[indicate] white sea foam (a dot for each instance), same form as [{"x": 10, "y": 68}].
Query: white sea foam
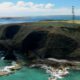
[
  {"x": 2, "y": 58},
  {"x": 55, "y": 73},
  {"x": 8, "y": 68}
]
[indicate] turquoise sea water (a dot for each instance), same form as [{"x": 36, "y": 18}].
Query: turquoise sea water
[
  {"x": 74, "y": 75},
  {"x": 35, "y": 74},
  {"x": 26, "y": 74}
]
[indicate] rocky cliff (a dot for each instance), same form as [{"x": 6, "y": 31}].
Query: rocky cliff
[{"x": 41, "y": 40}]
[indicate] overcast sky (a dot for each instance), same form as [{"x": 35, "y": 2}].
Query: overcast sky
[{"x": 19, "y": 8}]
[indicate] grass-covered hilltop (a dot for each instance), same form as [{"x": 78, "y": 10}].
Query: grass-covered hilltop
[{"x": 40, "y": 40}]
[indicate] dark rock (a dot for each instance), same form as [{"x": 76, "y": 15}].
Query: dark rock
[
  {"x": 34, "y": 40},
  {"x": 10, "y": 56},
  {"x": 10, "y": 32},
  {"x": 45, "y": 45},
  {"x": 39, "y": 43},
  {"x": 60, "y": 46}
]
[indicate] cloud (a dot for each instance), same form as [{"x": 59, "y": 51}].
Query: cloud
[
  {"x": 21, "y": 4},
  {"x": 6, "y": 5},
  {"x": 49, "y": 5},
  {"x": 33, "y": 5},
  {"x": 22, "y": 8}
]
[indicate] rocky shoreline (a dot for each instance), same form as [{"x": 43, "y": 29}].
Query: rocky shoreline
[
  {"x": 6, "y": 70},
  {"x": 56, "y": 71},
  {"x": 57, "y": 62},
  {"x": 56, "y": 68}
]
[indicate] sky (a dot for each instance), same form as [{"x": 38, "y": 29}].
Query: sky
[{"x": 21, "y": 8}]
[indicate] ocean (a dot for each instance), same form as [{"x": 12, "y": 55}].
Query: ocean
[
  {"x": 27, "y": 73},
  {"x": 36, "y": 19}
]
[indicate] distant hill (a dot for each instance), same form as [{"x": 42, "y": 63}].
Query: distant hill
[{"x": 7, "y": 20}]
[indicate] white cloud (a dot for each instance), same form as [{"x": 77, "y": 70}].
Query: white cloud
[
  {"x": 22, "y": 8},
  {"x": 21, "y": 4},
  {"x": 6, "y": 5},
  {"x": 30, "y": 4},
  {"x": 49, "y": 5}
]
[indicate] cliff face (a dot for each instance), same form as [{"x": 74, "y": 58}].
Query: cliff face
[{"x": 35, "y": 41}]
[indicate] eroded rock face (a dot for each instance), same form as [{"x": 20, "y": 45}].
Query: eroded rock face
[
  {"x": 34, "y": 40},
  {"x": 39, "y": 44},
  {"x": 60, "y": 46},
  {"x": 45, "y": 45},
  {"x": 10, "y": 56},
  {"x": 10, "y": 32}
]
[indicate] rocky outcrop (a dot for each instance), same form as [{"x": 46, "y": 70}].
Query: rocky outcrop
[
  {"x": 10, "y": 31},
  {"x": 36, "y": 43}
]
